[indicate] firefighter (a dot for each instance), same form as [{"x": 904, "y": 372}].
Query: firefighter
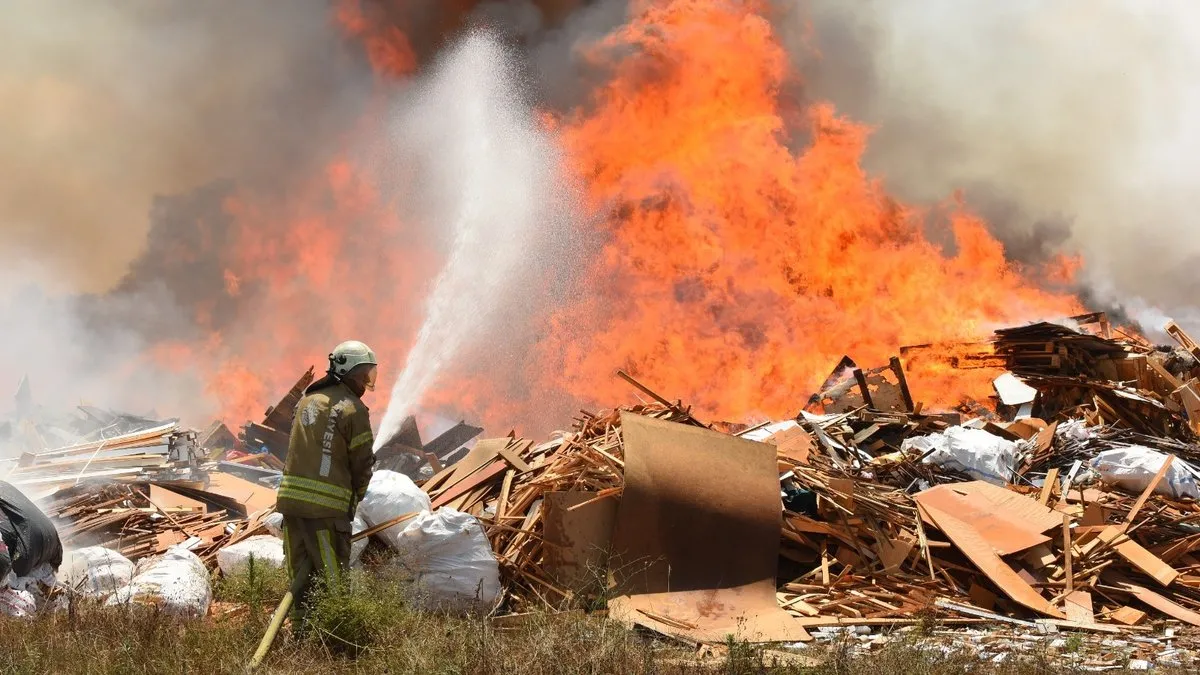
[{"x": 327, "y": 472}]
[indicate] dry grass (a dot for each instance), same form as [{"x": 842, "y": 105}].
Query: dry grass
[{"x": 371, "y": 629}]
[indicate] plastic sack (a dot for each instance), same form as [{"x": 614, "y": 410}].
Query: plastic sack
[
  {"x": 176, "y": 582},
  {"x": 17, "y": 604},
  {"x": 389, "y": 496},
  {"x": 23, "y": 523},
  {"x": 1075, "y": 430},
  {"x": 274, "y": 524},
  {"x": 95, "y": 571},
  {"x": 979, "y": 454},
  {"x": 448, "y": 558},
  {"x": 1132, "y": 468},
  {"x": 266, "y": 550}
]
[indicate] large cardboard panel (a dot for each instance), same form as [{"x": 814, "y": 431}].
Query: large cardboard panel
[
  {"x": 578, "y": 540},
  {"x": 696, "y": 542}
]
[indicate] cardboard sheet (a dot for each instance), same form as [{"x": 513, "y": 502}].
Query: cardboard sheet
[
  {"x": 1008, "y": 521},
  {"x": 577, "y": 541},
  {"x": 696, "y": 542},
  {"x": 980, "y": 552},
  {"x": 253, "y": 497}
]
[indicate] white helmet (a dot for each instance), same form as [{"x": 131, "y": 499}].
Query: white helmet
[{"x": 349, "y": 354}]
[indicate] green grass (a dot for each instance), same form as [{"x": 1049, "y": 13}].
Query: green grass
[{"x": 370, "y": 628}]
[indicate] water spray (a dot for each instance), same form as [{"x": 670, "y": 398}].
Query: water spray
[{"x": 487, "y": 150}]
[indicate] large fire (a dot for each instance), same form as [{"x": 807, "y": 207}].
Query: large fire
[{"x": 745, "y": 250}]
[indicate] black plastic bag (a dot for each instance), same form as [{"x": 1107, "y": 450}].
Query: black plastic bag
[{"x": 29, "y": 534}]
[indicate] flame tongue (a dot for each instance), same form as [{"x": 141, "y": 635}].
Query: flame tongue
[{"x": 735, "y": 269}]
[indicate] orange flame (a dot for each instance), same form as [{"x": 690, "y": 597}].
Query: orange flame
[
  {"x": 746, "y": 249},
  {"x": 738, "y": 270}
]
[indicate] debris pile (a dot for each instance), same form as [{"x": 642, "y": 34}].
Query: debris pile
[
  {"x": 1069, "y": 502},
  {"x": 162, "y": 452},
  {"x": 139, "y": 520}
]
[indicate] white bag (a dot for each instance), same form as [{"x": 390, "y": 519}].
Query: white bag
[
  {"x": 1133, "y": 467},
  {"x": 274, "y": 524},
  {"x": 176, "y": 582},
  {"x": 979, "y": 454},
  {"x": 17, "y": 604},
  {"x": 389, "y": 496},
  {"x": 449, "y": 559},
  {"x": 95, "y": 571},
  {"x": 265, "y": 549}
]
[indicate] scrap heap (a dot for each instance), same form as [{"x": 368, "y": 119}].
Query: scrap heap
[
  {"x": 140, "y": 486},
  {"x": 1071, "y": 501}
]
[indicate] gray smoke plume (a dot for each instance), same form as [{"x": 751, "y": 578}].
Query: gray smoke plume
[
  {"x": 108, "y": 104},
  {"x": 106, "y": 107},
  {"x": 1071, "y": 126}
]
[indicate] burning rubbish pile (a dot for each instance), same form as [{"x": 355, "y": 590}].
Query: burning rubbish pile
[
  {"x": 1071, "y": 504},
  {"x": 1066, "y": 501}
]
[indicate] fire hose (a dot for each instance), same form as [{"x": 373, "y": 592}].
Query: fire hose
[{"x": 285, "y": 605}]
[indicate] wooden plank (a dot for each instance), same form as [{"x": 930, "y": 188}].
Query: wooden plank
[
  {"x": 794, "y": 443},
  {"x": 167, "y": 499},
  {"x": 1137, "y": 506},
  {"x": 1128, "y": 616},
  {"x": 982, "y": 597},
  {"x": 1138, "y": 556},
  {"x": 481, "y": 455},
  {"x": 980, "y": 552},
  {"x": 505, "y": 491},
  {"x": 1039, "y": 557},
  {"x": 1184, "y": 340},
  {"x": 1014, "y": 505},
  {"x": 1066, "y": 526},
  {"x": 1161, "y": 603},
  {"x": 893, "y": 553},
  {"x": 253, "y": 497},
  {"x": 1007, "y": 524},
  {"x": 510, "y": 456},
  {"x": 1048, "y": 486},
  {"x": 482, "y": 476},
  {"x": 1078, "y": 606},
  {"x": 1191, "y": 403}
]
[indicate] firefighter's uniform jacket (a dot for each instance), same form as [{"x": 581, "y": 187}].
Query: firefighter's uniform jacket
[
  {"x": 329, "y": 455},
  {"x": 327, "y": 472}
]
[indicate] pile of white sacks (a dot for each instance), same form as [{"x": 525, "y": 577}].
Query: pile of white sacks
[{"x": 444, "y": 555}]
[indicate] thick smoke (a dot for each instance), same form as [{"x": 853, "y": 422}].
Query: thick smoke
[
  {"x": 1071, "y": 126},
  {"x": 107, "y": 105},
  {"x": 138, "y": 122}
]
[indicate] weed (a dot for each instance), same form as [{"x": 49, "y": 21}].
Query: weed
[{"x": 1074, "y": 643}]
